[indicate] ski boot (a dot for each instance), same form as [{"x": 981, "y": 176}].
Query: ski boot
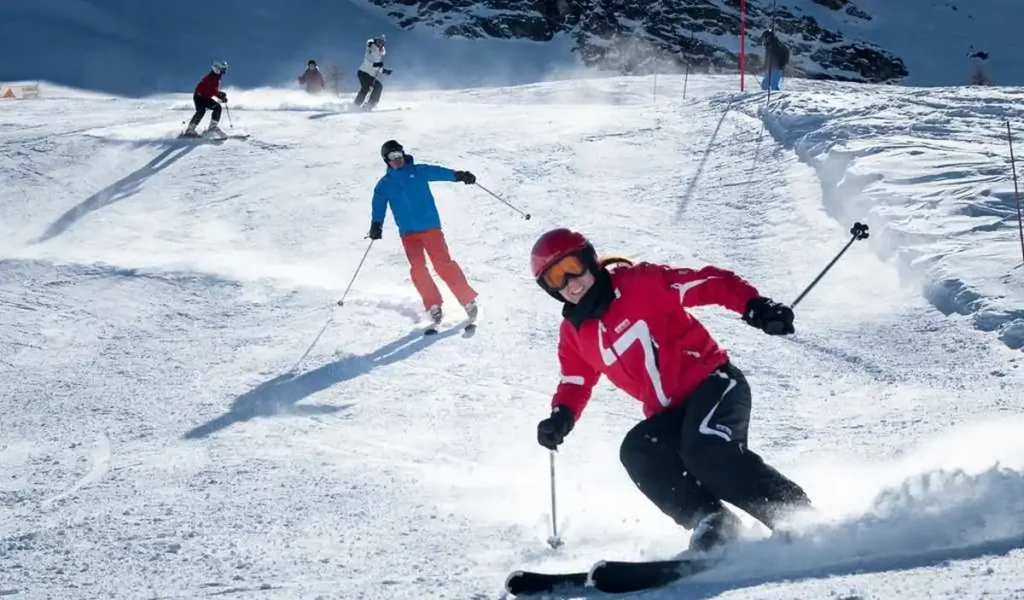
[
  {"x": 436, "y": 314},
  {"x": 190, "y": 131},
  {"x": 435, "y": 320},
  {"x": 714, "y": 530},
  {"x": 214, "y": 131},
  {"x": 471, "y": 311}
]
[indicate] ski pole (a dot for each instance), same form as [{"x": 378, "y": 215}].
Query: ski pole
[
  {"x": 330, "y": 317},
  {"x": 506, "y": 202},
  {"x": 1016, "y": 190},
  {"x": 859, "y": 231},
  {"x": 341, "y": 302},
  {"x": 554, "y": 541},
  {"x": 228, "y": 110}
]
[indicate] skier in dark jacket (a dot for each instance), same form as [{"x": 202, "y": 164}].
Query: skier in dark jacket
[
  {"x": 203, "y": 98},
  {"x": 312, "y": 78},
  {"x": 776, "y": 59}
]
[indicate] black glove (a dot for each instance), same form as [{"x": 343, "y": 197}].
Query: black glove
[
  {"x": 386, "y": 71},
  {"x": 223, "y": 97},
  {"x": 552, "y": 430},
  {"x": 376, "y": 230},
  {"x": 769, "y": 316},
  {"x": 377, "y": 65},
  {"x": 465, "y": 177}
]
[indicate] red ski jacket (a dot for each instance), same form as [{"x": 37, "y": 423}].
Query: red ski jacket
[
  {"x": 312, "y": 79},
  {"x": 646, "y": 343},
  {"x": 209, "y": 85}
]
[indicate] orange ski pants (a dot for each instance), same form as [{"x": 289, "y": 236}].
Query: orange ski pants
[{"x": 431, "y": 243}]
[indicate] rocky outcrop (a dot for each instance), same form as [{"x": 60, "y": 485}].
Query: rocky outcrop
[{"x": 637, "y": 36}]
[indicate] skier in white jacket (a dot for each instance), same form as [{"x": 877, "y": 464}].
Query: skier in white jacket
[{"x": 369, "y": 73}]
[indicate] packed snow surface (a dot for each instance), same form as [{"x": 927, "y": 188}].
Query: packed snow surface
[{"x": 170, "y": 428}]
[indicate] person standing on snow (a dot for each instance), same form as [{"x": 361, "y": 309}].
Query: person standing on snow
[
  {"x": 203, "y": 98},
  {"x": 369, "y": 73},
  {"x": 312, "y": 78},
  {"x": 776, "y": 58},
  {"x": 630, "y": 323},
  {"x": 405, "y": 187}
]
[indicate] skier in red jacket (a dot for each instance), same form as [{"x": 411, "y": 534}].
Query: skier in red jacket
[
  {"x": 312, "y": 78},
  {"x": 630, "y": 323},
  {"x": 206, "y": 90}
]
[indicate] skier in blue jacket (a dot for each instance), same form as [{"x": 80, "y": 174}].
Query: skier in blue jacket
[{"x": 406, "y": 188}]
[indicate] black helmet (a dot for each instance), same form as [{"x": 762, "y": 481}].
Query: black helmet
[
  {"x": 389, "y": 147},
  {"x": 311, "y": 62}
]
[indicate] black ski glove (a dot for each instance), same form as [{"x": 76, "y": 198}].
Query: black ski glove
[
  {"x": 769, "y": 316},
  {"x": 465, "y": 177},
  {"x": 223, "y": 97},
  {"x": 386, "y": 71},
  {"x": 377, "y": 65},
  {"x": 376, "y": 230},
  {"x": 552, "y": 430}
]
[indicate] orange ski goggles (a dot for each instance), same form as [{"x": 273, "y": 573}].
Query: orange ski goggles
[{"x": 560, "y": 273}]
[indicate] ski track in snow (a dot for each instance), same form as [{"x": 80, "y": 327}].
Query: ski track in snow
[
  {"x": 155, "y": 295},
  {"x": 99, "y": 461}
]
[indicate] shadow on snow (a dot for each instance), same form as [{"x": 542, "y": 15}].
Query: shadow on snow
[
  {"x": 282, "y": 393},
  {"x": 119, "y": 190}
]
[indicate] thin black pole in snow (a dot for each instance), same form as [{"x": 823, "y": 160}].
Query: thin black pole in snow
[
  {"x": 341, "y": 302},
  {"x": 859, "y": 231},
  {"x": 330, "y": 317},
  {"x": 505, "y": 202},
  {"x": 1016, "y": 190},
  {"x": 686, "y": 74}
]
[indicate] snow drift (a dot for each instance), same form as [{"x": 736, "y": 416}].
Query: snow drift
[{"x": 929, "y": 171}]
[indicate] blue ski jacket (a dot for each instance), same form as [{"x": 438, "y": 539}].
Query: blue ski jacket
[{"x": 407, "y": 191}]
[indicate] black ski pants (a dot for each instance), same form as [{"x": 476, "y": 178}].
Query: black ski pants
[
  {"x": 689, "y": 459},
  {"x": 202, "y": 104},
  {"x": 366, "y": 83}
]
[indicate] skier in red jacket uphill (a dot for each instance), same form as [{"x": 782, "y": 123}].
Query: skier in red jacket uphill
[
  {"x": 203, "y": 98},
  {"x": 312, "y": 78},
  {"x": 629, "y": 322}
]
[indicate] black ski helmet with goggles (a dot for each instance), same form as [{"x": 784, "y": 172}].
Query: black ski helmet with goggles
[{"x": 390, "y": 146}]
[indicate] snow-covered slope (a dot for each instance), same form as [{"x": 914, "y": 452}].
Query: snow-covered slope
[
  {"x": 137, "y": 48},
  {"x": 931, "y": 170},
  {"x": 170, "y": 428}
]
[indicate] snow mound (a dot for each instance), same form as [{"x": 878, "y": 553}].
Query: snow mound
[{"x": 929, "y": 171}]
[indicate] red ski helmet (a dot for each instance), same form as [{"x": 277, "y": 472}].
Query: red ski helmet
[{"x": 556, "y": 245}]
